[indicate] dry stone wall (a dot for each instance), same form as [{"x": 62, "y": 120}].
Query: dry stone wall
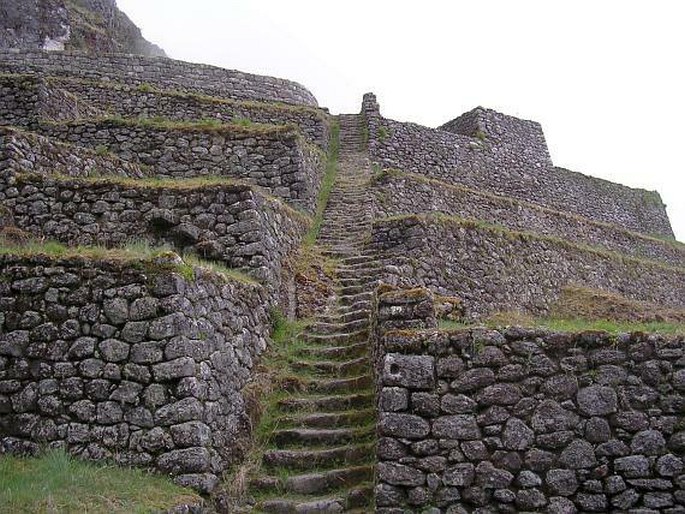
[
  {"x": 24, "y": 152},
  {"x": 496, "y": 270},
  {"x": 157, "y": 71},
  {"x": 525, "y": 420},
  {"x": 397, "y": 194},
  {"x": 146, "y": 102},
  {"x": 128, "y": 361},
  {"x": 230, "y": 223},
  {"x": 25, "y": 100},
  {"x": 502, "y": 162},
  {"x": 275, "y": 158}
]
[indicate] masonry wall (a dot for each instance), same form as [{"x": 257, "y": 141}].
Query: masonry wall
[
  {"x": 502, "y": 162},
  {"x": 525, "y": 420},
  {"x": 25, "y": 152},
  {"x": 143, "y": 102},
  {"x": 127, "y": 361},
  {"x": 275, "y": 158},
  {"x": 27, "y": 99},
  {"x": 157, "y": 71},
  {"x": 494, "y": 270},
  {"x": 396, "y": 194},
  {"x": 232, "y": 224}
]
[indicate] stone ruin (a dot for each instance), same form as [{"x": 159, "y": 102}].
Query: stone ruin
[{"x": 145, "y": 359}]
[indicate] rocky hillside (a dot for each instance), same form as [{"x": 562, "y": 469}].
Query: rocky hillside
[{"x": 93, "y": 26}]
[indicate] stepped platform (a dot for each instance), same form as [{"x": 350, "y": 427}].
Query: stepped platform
[
  {"x": 493, "y": 269},
  {"x": 25, "y": 100},
  {"x": 159, "y": 72},
  {"x": 399, "y": 193},
  {"x": 273, "y": 157},
  {"x": 504, "y": 155},
  {"x": 229, "y": 222}
]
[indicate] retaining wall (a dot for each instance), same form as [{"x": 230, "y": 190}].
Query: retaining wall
[
  {"x": 157, "y": 71},
  {"x": 128, "y": 361},
  {"x": 276, "y": 158},
  {"x": 501, "y": 161},
  {"x": 143, "y": 102},
  {"x": 230, "y": 223},
  {"x": 494, "y": 270},
  {"x": 525, "y": 420},
  {"x": 397, "y": 193},
  {"x": 25, "y": 100},
  {"x": 25, "y": 152}
]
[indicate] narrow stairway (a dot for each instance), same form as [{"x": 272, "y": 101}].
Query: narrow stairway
[{"x": 321, "y": 453}]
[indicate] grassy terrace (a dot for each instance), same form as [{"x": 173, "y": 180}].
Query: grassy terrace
[
  {"x": 239, "y": 129},
  {"x": 613, "y": 327},
  {"x": 208, "y": 182},
  {"x": 55, "y": 482},
  {"x": 472, "y": 224},
  {"x": 274, "y": 107},
  {"x": 512, "y": 203},
  {"x": 581, "y": 309},
  {"x": 136, "y": 254}
]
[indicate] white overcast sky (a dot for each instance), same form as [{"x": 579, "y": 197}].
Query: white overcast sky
[{"x": 605, "y": 78}]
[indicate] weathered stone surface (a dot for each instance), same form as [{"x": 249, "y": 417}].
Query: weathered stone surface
[
  {"x": 517, "y": 435},
  {"x": 597, "y": 401},
  {"x": 460, "y": 426},
  {"x": 404, "y": 425}
]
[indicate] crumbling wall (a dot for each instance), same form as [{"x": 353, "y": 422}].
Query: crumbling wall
[
  {"x": 132, "y": 361},
  {"x": 521, "y": 420},
  {"x": 501, "y": 162},
  {"x": 494, "y": 270}
]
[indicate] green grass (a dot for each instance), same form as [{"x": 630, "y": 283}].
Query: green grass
[
  {"x": 326, "y": 185},
  {"x": 206, "y": 125},
  {"x": 571, "y": 325},
  {"x": 57, "y": 482},
  {"x": 136, "y": 252}
]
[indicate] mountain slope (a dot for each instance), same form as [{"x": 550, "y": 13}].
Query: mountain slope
[{"x": 93, "y": 26}]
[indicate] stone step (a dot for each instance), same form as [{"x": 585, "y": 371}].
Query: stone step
[
  {"x": 329, "y": 403},
  {"x": 356, "y": 500},
  {"x": 316, "y": 436},
  {"x": 337, "y": 385},
  {"x": 337, "y": 338},
  {"x": 334, "y": 368},
  {"x": 346, "y": 316},
  {"x": 316, "y": 483},
  {"x": 351, "y": 455},
  {"x": 365, "y": 297},
  {"x": 340, "y": 419},
  {"x": 349, "y": 351},
  {"x": 355, "y": 305},
  {"x": 320, "y": 327}
]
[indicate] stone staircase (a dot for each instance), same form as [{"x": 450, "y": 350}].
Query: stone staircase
[{"x": 320, "y": 455}]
